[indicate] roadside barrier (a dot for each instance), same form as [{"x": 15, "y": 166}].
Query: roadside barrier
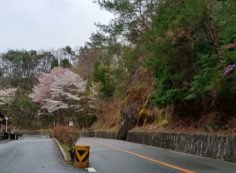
[
  {"x": 14, "y": 136},
  {"x": 81, "y": 156},
  {"x": 5, "y": 136}
]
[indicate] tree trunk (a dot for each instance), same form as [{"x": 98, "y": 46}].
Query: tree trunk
[{"x": 212, "y": 30}]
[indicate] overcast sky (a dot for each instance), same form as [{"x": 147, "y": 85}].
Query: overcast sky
[{"x": 46, "y": 24}]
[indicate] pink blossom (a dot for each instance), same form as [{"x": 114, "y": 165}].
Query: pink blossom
[
  {"x": 229, "y": 69},
  {"x": 59, "y": 89},
  {"x": 7, "y": 96}
]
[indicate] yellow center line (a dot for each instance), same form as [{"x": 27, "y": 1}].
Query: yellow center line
[{"x": 145, "y": 157}]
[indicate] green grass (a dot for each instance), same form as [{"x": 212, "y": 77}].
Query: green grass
[{"x": 66, "y": 148}]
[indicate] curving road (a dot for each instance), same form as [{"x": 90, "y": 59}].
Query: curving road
[
  {"x": 114, "y": 156},
  {"x": 41, "y": 155}
]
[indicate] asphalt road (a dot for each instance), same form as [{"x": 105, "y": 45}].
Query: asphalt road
[
  {"x": 41, "y": 155},
  {"x": 33, "y": 155},
  {"x": 113, "y": 156}
]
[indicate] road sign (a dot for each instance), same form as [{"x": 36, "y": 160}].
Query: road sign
[
  {"x": 82, "y": 156},
  {"x": 71, "y": 123}
]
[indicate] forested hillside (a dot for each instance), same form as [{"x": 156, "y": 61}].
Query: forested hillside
[{"x": 158, "y": 65}]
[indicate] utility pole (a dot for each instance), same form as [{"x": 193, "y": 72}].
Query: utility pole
[{"x": 6, "y": 118}]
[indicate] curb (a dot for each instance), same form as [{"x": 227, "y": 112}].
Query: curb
[{"x": 63, "y": 153}]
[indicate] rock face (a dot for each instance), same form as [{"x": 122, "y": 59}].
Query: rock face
[
  {"x": 136, "y": 98},
  {"x": 216, "y": 147}
]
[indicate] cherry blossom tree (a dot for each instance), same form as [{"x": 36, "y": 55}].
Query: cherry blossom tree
[
  {"x": 59, "y": 89},
  {"x": 7, "y": 96}
]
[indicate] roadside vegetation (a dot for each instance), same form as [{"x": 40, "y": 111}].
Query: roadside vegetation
[
  {"x": 158, "y": 65},
  {"x": 65, "y": 134}
]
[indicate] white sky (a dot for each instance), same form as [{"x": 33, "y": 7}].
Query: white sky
[{"x": 46, "y": 24}]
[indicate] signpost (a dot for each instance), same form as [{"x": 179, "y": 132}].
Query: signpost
[
  {"x": 6, "y": 118},
  {"x": 71, "y": 123}
]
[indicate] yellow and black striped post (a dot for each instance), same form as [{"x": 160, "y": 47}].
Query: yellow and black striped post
[{"x": 82, "y": 156}]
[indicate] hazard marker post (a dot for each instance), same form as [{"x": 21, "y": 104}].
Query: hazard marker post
[{"x": 81, "y": 156}]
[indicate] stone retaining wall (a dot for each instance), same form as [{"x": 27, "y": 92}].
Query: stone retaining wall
[
  {"x": 100, "y": 134},
  {"x": 216, "y": 147}
]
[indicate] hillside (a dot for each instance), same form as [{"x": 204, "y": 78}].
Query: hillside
[
  {"x": 177, "y": 72},
  {"x": 159, "y": 65}
]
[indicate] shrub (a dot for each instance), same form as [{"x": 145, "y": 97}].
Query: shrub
[{"x": 66, "y": 135}]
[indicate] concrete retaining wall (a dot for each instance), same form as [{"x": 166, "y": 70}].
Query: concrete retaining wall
[
  {"x": 216, "y": 147},
  {"x": 33, "y": 132}
]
